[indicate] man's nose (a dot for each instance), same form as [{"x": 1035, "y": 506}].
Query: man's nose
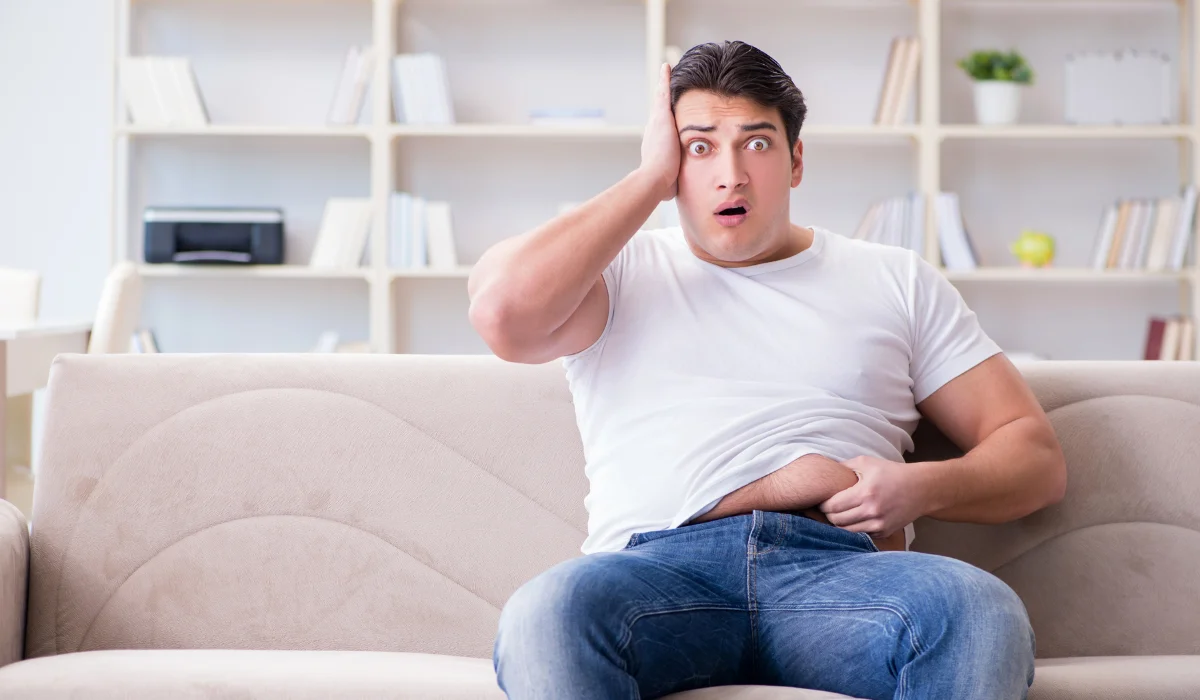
[{"x": 730, "y": 172}]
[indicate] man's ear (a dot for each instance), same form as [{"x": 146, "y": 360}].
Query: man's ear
[{"x": 797, "y": 163}]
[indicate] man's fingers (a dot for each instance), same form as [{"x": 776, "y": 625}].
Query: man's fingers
[
  {"x": 843, "y": 500},
  {"x": 849, "y": 517}
]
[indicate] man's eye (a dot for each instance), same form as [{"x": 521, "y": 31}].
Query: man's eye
[
  {"x": 698, "y": 148},
  {"x": 759, "y": 144}
]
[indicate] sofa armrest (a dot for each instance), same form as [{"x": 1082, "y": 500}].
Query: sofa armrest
[{"x": 14, "y": 577}]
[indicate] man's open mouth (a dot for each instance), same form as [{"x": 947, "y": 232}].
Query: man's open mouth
[{"x": 732, "y": 211}]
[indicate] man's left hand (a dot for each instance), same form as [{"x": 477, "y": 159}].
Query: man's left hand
[{"x": 887, "y": 497}]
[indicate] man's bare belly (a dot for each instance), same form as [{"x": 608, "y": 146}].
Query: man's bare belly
[{"x": 799, "y": 487}]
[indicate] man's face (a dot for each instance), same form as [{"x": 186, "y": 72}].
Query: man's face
[{"x": 734, "y": 152}]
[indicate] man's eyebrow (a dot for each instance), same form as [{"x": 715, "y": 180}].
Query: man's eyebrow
[{"x": 744, "y": 127}]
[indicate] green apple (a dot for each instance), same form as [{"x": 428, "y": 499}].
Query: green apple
[{"x": 1034, "y": 248}]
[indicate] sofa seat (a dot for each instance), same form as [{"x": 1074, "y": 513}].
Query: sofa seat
[
  {"x": 295, "y": 675},
  {"x": 1117, "y": 678},
  {"x": 220, "y": 674}
]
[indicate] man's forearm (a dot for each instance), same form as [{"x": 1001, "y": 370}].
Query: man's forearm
[
  {"x": 536, "y": 280},
  {"x": 1017, "y": 470}
]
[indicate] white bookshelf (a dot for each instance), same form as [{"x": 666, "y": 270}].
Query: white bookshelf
[{"x": 491, "y": 162}]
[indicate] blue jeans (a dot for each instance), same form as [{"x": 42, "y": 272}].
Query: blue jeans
[{"x": 770, "y": 599}]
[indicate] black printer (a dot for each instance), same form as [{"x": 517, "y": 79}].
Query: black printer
[{"x": 213, "y": 235}]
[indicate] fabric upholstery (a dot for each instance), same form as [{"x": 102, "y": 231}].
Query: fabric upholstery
[
  {"x": 294, "y": 675},
  {"x": 393, "y": 503},
  {"x": 1117, "y": 678},
  {"x": 1111, "y": 570},
  {"x": 297, "y": 502},
  {"x": 14, "y": 569}
]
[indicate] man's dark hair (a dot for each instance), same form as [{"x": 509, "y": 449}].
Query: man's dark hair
[{"x": 737, "y": 69}]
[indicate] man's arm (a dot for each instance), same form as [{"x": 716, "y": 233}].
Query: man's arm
[
  {"x": 540, "y": 295},
  {"x": 1013, "y": 464}
]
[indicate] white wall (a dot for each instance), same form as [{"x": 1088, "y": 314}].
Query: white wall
[
  {"x": 277, "y": 67},
  {"x": 55, "y": 163}
]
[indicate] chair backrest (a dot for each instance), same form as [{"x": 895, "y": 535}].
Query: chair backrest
[
  {"x": 1112, "y": 569},
  {"x": 19, "y": 291},
  {"x": 395, "y": 502},
  {"x": 118, "y": 311}
]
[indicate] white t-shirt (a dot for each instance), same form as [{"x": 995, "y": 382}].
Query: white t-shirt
[{"x": 707, "y": 378}]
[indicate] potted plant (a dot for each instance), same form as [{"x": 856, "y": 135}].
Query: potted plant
[{"x": 998, "y": 77}]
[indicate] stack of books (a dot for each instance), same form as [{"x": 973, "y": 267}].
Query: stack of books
[
  {"x": 898, "y": 221},
  {"x": 421, "y": 93},
  {"x": 899, "y": 81},
  {"x": 1171, "y": 339},
  {"x": 421, "y": 234},
  {"x": 342, "y": 238},
  {"x": 162, "y": 91},
  {"x": 954, "y": 242},
  {"x": 1146, "y": 234},
  {"x": 351, "y": 91}
]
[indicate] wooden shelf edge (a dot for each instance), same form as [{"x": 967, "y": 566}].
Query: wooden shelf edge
[{"x": 172, "y": 270}]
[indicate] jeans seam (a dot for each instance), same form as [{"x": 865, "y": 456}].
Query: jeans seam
[
  {"x": 751, "y": 582},
  {"x": 914, "y": 639}
]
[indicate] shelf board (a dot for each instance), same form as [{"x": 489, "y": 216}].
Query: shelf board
[
  {"x": 871, "y": 131},
  {"x": 249, "y": 271},
  {"x": 462, "y": 271},
  {"x": 1049, "y": 5},
  {"x": 1064, "y": 274},
  {"x": 516, "y": 130},
  {"x": 244, "y": 130},
  {"x": 1064, "y": 131}
]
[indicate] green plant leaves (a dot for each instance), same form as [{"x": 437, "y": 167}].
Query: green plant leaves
[{"x": 997, "y": 65}]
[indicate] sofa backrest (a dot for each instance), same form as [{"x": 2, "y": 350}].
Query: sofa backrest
[
  {"x": 395, "y": 502},
  {"x": 297, "y": 501},
  {"x": 1112, "y": 569}
]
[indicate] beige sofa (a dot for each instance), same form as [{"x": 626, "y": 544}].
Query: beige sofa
[{"x": 371, "y": 515}]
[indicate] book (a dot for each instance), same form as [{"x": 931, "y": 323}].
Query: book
[
  {"x": 957, "y": 252},
  {"x": 907, "y": 82},
  {"x": 162, "y": 91},
  {"x": 421, "y": 90},
  {"x": 187, "y": 104},
  {"x": 1104, "y": 238},
  {"x": 1185, "y": 221},
  {"x": 1154, "y": 253},
  {"x": 1113, "y": 253},
  {"x": 342, "y": 237},
  {"x": 1187, "y": 340},
  {"x": 440, "y": 236},
  {"x": 350, "y": 93},
  {"x": 890, "y": 80},
  {"x": 1170, "y": 340},
  {"x": 1154, "y": 339}
]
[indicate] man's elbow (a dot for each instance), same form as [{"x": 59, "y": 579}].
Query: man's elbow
[
  {"x": 1056, "y": 489},
  {"x": 495, "y": 327}
]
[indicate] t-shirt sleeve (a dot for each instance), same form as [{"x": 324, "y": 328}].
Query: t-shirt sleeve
[
  {"x": 947, "y": 339},
  {"x": 612, "y": 275}
]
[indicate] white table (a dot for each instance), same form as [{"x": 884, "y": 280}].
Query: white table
[{"x": 26, "y": 353}]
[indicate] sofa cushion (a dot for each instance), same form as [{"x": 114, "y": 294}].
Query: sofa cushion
[
  {"x": 296, "y": 675},
  {"x": 217, "y": 673},
  {"x": 1117, "y": 678}
]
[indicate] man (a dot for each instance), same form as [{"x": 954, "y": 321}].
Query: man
[{"x": 745, "y": 389}]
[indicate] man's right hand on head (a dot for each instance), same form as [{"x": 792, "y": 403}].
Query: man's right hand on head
[{"x": 660, "y": 142}]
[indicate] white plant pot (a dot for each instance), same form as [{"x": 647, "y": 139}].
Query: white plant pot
[{"x": 997, "y": 102}]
